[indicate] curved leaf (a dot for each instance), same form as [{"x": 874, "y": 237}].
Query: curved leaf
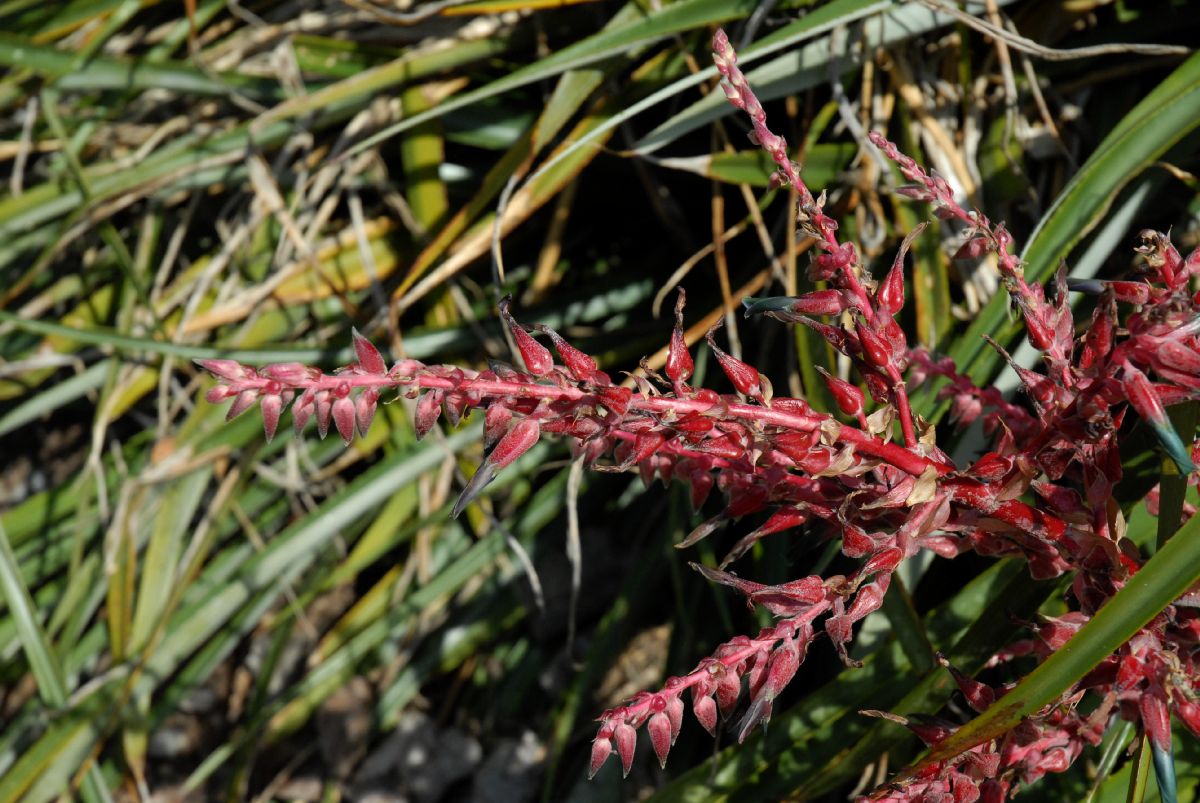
[{"x": 1166, "y": 576}]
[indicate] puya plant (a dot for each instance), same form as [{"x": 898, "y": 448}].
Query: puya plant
[{"x": 870, "y": 473}]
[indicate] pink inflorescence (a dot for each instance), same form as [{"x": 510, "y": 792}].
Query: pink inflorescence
[{"x": 885, "y": 499}]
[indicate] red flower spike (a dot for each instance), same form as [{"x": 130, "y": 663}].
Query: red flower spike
[
  {"x": 679, "y": 360},
  {"x": 659, "y": 728},
  {"x": 929, "y": 730},
  {"x": 615, "y": 398},
  {"x": 368, "y": 356},
  {"x": 1098, "y": 341},
  {"x": 1041, "y": 333},
  {"x": 626, "y": 739},
  {"x": 693, "y": 425},
  {"x": 290, "y": 372},
  {"x": 537, "y": 358},
  {"x": 581, "y": 366},
  {"x": 849, "y": 397},
  {"x": 885, "y": 561},
  {"x": 745, "y": 378},
  {"x": 796, "y": 445},
  {"x": 602, "y": 748}
]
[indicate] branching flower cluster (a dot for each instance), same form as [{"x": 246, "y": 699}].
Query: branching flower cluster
[{"x": 885, "y": 498}]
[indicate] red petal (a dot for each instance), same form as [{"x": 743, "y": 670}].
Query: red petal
[{"x": 705, "y": 709}]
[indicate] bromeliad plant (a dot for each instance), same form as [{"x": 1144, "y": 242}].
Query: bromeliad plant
[{"x": 1041, "y": 493}]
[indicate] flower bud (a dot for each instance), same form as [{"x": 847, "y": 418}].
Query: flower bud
[
  {"x": 429, "y": 407},
  {"x": 679, "y": 360},
  {"x": 876, "y": 350},
  {"x": 271, "y": 407},
  {"x": 705, "y": 709},
  {"x": 849, "y": 397},
  {"x": 889, "y": 297},
  {"x": 244, "y": 401},
  {"x": 369, "y": 357},
  {"x": 626, "y": 738},
  {"x": 745, "y": 378},
  {"x": 659, "y": 728},
  {"x": 581, "y": 366},
  {"x": 515, "y": 443},
  {"x": 537, "y": 358},
  {"x": 602, "y": 748},
  {"x": 1143, "y": 398},
  {"x": 364, "y": 409},
  {"x": 343, "y": 418},
  {"x": 225, "y": 369}
]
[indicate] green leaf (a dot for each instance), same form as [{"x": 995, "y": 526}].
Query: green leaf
[
  {"x": 667, "y": 21},
  {"x": 800, "y": 68},
  {"x": 1167, "y": 575},
  {"x": 42, "y": 662}
]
